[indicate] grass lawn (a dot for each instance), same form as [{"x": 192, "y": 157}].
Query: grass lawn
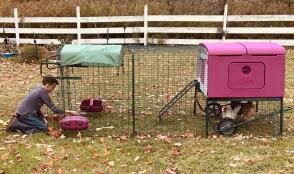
[{"x": 118, "y": 152}]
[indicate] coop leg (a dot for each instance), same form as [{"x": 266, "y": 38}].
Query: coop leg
[
  {"x": 195, "y": 101},
  {"x": 281, "y": 117},
  {"x": 206, "y": 118},
  {"x": 133, "y": 94}
]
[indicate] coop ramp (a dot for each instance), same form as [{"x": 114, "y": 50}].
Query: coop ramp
[{"x": 176, "y": 98}]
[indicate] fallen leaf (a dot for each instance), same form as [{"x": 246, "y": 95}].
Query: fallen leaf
[
  {"x": 187, "y": 135},
  {"x": 212, "y": 151},
  {"x": 53, "y": 132},
  {"x": 176, "y": 152},
  {"x": 250, "y": 161},
  {"x": 79, "y": 135},
  {"x": 237, "y": 158},
  {"x": 123, "y": 138},
  {"x": 5, "y": 156},
  {"x": 38, "y": 158},
  {"x": 111, "y": 163},
  {"x": 52, "y": 118},
  {"x": 178, "y": 144},
  {"x": 137, "y": 158},
  {"x": 18, "y": 157},
  {"x": 4, "y": 123},
  {"x": 95, "y": 156},
  {"x": 49, "y": 151},
  {"x": 165, "y": 138},
  {"x": 171, "y": 171},
  {"x": 77, "y": 157},
  {"x": 29, "y": 146},
  {"x": 142, "y": 172},
  {"x": 9, "y": 141},
  {"x": 99, "y": 172},
  {"x": 106, "y": 153},
  {"x": 148, "y": 148},
  {"x": 232, "y": 165},
  {"x": 59, "y": 171}
]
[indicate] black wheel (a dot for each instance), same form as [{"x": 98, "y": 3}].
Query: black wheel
[
  {"x": 225, "y": 126},
  {"x": 214, "y": 110}
]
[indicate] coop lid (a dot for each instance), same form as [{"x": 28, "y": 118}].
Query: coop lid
[
  {"x": 91, "y": 55},
  {"x": 222, "y": 48},
  {"x": 263, "y": 48}
]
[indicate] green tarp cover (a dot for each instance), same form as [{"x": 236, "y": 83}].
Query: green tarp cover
[{"x": 91, "y": 55}]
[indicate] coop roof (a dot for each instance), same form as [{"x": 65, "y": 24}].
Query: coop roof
[
  {"x": 91, "y": 55},
  {"x": 253, "y": 48}
]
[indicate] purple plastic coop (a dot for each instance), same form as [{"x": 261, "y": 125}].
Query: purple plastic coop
[
  {"x": 241, "y": 69},
  {"x": 247, "y": 75}
]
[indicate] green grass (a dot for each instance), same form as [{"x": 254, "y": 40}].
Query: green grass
[{"x": 184, "y": 150}]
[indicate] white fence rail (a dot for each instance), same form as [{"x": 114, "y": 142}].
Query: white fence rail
[{"x": 142, "y": 32}]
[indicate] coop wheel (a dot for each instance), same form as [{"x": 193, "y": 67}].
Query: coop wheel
[
  {"x": 214, "y": 110},
  {"x": 225, "y": 126}
]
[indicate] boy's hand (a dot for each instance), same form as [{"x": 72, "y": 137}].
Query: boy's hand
[{"x": 45, "y": 120}]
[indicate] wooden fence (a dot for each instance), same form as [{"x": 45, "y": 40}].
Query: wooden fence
[{"x": 223, "y": 29}]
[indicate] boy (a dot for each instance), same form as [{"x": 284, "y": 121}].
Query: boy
[{"x": 29, "y": 118}]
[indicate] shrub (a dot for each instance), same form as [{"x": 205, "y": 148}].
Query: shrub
[{"x": 28, "y": 54}]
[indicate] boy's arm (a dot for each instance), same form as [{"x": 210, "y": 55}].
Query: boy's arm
[{"x": 47, "y": 100}]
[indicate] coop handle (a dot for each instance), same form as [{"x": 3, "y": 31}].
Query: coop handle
[{"x": 91, "y": 102}]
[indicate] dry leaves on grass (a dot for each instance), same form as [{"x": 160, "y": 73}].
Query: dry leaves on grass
[
  {"x": 176, "y": 152},
  {"x": 164, "y": 138},
  {"x": 291, "y": 152},
  {"x": 43, "y": 167},
  {"x": 53, "y": 132},
  {"x": 59, "y": 171},
  {"x": 99, "y": 172},
  {"x": 187, "y": 135},
  {"x": 4, "y": 156},
  {"x": 52, "y": 117},
  {"x": 4, "y": 123},
  {"x": 148, "y": 148},
  {"x": 172, "y": 170},
  {"x": 249, "y": 161}
]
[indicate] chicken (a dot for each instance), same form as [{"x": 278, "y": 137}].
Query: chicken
[
  {"x": 248, "y": 109},
  {"x": 227, "y": 112}
]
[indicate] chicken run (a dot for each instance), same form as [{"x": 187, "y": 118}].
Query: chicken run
[{"x": 140, "y": 88}]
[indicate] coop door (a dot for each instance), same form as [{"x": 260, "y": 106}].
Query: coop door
[{"x": 249, "y": 75}]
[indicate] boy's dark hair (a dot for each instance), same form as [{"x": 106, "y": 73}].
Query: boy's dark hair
[{"x": 49, "y": 80}]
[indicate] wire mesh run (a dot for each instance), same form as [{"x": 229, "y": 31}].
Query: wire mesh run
[
  {"x": 160, "y": 74},
  {"x": 155, "y": 91}
]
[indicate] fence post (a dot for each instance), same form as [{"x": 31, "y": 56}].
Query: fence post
[
  {"x": 145, "y": 24},
  {"x": 16, "y": 26},
  {"x": 225, "y": 22},
  {"x": 78, "y": 24}
]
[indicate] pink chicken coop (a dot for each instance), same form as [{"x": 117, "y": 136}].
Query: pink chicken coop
[{"x": 239, "y": 72}]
